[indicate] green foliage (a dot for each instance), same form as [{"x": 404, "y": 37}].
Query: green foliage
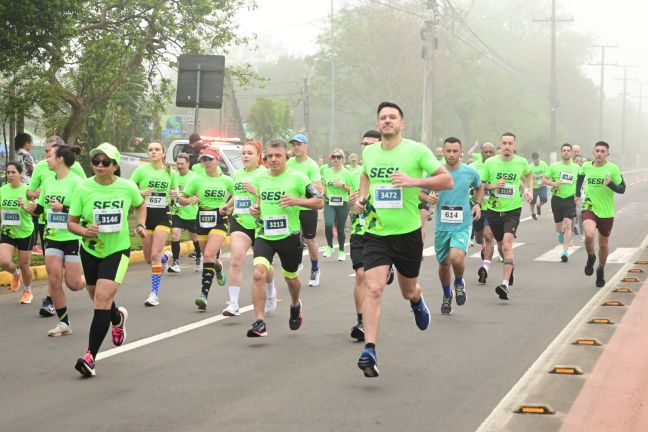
[{"x": 270, "y": 119}]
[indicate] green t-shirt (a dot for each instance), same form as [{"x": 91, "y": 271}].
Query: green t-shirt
[
  {"x": 357, "y": 171},
  {"x": 568, "y": 173},
  {"x": 190, "y": 211},
  {"x": 276, "y": 222},
  {"x": 336, "y": 194},
  {"x": 16, "y": 222},
  {"x": 323, "y": 169},
  {"x": 538, "y": 172},
  {"x": 477, "y": 157},
  {"x": 308, "y": 167},
  {"x": 161, "y": 181},
  {"x": 508, "y": 197},
  {"x": 42, "y": 172},
  {"x": 479, "y": 166},
  {"x": 62, "y": 191},
  {"x": 599, "y": 198},
  {"x": 106, "y": 206},
  {"x": 395, "y": 209},
  {"x": 358, "y": 221},
  {"x": 242, "y": 199},
  {"x": 212, "y": 192}
]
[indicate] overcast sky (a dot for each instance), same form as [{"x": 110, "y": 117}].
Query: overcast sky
[{"x": 291, "y": 27}]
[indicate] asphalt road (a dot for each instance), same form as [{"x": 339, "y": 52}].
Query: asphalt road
[{"x": 213, "y": 377}]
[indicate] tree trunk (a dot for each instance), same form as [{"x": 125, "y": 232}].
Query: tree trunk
[{"x": 75, "y": 124}]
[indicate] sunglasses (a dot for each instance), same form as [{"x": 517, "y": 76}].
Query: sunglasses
[
  {"x": 365, "y": 144},
  {"x": 103, "y": 162},
  {"x": 336, "y": 156}
]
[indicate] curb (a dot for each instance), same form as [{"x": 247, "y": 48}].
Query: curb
[{"x": 39, "y": 272}]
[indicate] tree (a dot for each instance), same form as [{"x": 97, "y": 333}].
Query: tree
[{"x": 270, "y": 119}]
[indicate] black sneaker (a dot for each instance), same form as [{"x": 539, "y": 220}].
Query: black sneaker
[
  {"x": 533, "y": 216},
  {"x": 483, "y": 274},
  {"x": 511, "y": 279},
  {"x": 390, "y": 277},
  {"x": 460, "y": 293},
  {"x": 446, "y": 305},
  {"x": 296, "y": 318},
  {"x": 357, "y": 332},
  {"x": 258, "y": 329},
  {"x": 600, "y": 277},
  {"x": 502, "y": 291},
  {"x": 564, "y": 258},
  {"x": 47, "y": 309},
  {"x": 589, "y": 267}
]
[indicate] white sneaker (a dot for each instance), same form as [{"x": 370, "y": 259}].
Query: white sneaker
[
  {"x": 314, "y": 279},
  {"x": 60, "y": 330},
  {"x": 271, "y": 305},
  {"x": 232, "y": 309},
  {"x": 169, "y": 256},
  {"x": 175, "y": 268},
  {"x": 152, "y": 300}
]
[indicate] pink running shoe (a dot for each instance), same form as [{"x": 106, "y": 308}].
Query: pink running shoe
[
  {"x": 86, "y": 365},
  {"x": 119, "y": 331}
]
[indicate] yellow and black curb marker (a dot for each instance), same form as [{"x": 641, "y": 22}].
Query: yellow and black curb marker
[
  {"x": 601, "y": 321},
  {"x": 566, "y": 370},
  {"x": 534, "y": 409},
  {"x": 613, "y": 303},
  {"x": 588, "y": 342}
]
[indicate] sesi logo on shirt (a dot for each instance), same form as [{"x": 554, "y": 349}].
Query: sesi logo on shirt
[
  {"x": 10, "y": 203},
  {"x": 108, "y": 204},
  {"x": 58, "y": 198},
  {"x": 272, "y": 196},
  {"x": 506, "y": 176},
  {"x": 158, "y": 184},
  {"x": 382, "y": 172}
]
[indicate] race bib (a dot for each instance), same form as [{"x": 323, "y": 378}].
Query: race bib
[
  {"x": 207, "y": 219},
  {"x": 156, "y": 200},
  {"x": 361, "y": 219},
  {"x": 109, "y": 220},
  {"x": 335, "y": 201},
  {"x": 57, "y": 220},
  {"x": 275, "y": 225},
  {"x": 242, "y": 205},
  {"x": 538, "y": 178},
  {"x": 388, "y": 196},
  {"x": 567, "y": 177},
  {"x": 11, "y": 217},
  {"x": 452, "y": 214},
  {"x": 506, "y": 191}
]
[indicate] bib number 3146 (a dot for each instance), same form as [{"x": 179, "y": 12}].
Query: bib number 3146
[{"x": 109, "y": 220}]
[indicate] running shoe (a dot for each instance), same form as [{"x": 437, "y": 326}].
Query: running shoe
[
  {"x": 561, "y": 237},
  {"x": 446, "y": 305},
  {"x": 600, "y": 277},
  {"x": 357, "y": 332},
  {"x": 270, "y": 306},
  {"x": 341, "y": 256},
  {"x": 589, "y": 267},
  {"x": 201, "y": 302},
  {"x": 119, "y": 331},
  {"x": 502, "y": 291},
  {"x": 390, "y": 276},
  {"x": 421, "y": 314},
  {"x": 232, "y": 309},
  {"x": 61, "y": 329},
  {"x": 460, "y": 293},
  {"x": 564, "y": 257},
  {"x": 368, "y": 363},
  {"x": 314, "y": 278},
  {"x": 328, "y": 251},
  {"x": 511, "y": 278},
  {"x": 533, "y": 216},
  {"x": 221, "y": 277},
  {"x": 47, "y": 309},
  {"x": 192, "y": 254},
  {"x": 167, "y": 257},
  {"x": 86, "y": 365},
  {"x": 198, "y": 266},
  {"x": 175, "y": 268},
  {"x": 36, "y": 250},
  {"x": 296, "y": 317},
  {"x": 483, "y": 274},
  {"x": 538, "y": 209},
  {"x": 258, "y": 329},
  {"x": 152, "y": 300},
  {"x": 26, "y": 297},
  {"x": 15, "y": 281}
]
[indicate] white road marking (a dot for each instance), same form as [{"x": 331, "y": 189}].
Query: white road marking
[
  {"x": 554, "y": 254},
  {"x": 496, "y": 254},
  {"x": 621, "y": 255}
]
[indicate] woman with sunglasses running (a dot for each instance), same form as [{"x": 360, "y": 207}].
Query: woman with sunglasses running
[
  {"x": 99, "y": 214},
  {"x": 211, "y": 192},
  {"x": 337, "y": 184},
  {"x": 17, "y": 230},
  {"x": 61, "y": 246},
  {"x": 243, "y": 225},
  {"x": 158, "y": 184}
]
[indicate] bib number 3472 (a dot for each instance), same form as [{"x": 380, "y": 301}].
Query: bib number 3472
[{"x": 388, "y": 196}]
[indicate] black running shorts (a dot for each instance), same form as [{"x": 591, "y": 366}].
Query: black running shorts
[
  {"x": 157, "y": 217},
  {"x": 184, "y": 224},
  {"x": 113, "y": 267},
  {"x": 404, "y": 251},
  {"x": 357, "y": 251},
  {"x": 503, "y": 222},
  {"x": 22, "y": 244},
  {"x": 289, "y": 250},
  {"x": 236, "y": 227},
  {"x": 563, "y": 208}
]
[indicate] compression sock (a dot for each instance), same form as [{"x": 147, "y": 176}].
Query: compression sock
[
  {"x": 63, "y": 315},
  {"x": 207, "y": 277},
  {"x": 314, "y": 265},
  {"x": 175, "y": 249},
  {"x": 447, "y": 292},
  {"x": 98, "y": 330},
  {"x": 156, "y": 277},
  {"x": 197, "y": 249}
]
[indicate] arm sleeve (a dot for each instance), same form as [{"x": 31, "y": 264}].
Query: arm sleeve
[
  {"x": 312, "y": 191},
  {"x": 39, "y": 210},
  {"x": 618, "y": 188},
  {"x": 579, "y": 184}
]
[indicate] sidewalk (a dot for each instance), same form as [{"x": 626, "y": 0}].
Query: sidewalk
[{"x": 615, "y": 395}]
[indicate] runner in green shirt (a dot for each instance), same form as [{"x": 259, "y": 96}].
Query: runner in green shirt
[
  {"x": 393, "y": 174},
  {"x": 210, "y": 192},
  {"x": 61, "y": 246},
  {"x": 503, "y": 175},
  {"x": 158, "y": 185},
  {"x": 601, "y": 180},
  {"x": 308, "y": 217},
  {"x": 355, "y": 169},
  {"x": 243, "y": 226},
  {"x": 99, "y": 214},
  {"x": 538, "y": 169},
  {"x": 337, "y": 184},
  {"x": 184, "y": 217},
  {"x": 17, "y": 230},
  {"x": 562, "y": 176},
  {"x": 280, "y": 193}
]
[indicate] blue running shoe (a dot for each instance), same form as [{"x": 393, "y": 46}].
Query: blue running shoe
[
  {"x": 368, "y": 363},
  {"x": 421, "y": 314},
  {"x": 561, "y": 238}
]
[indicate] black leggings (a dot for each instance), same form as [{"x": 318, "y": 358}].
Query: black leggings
[{"x": 335, "y": 215}]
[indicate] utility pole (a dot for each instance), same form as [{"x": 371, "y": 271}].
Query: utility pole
[
  {"x": 625, "y": 80},
  {"x": 602, "y": 84},
  {"x": 331, "y": 145},
  {"x": 430, "y": 45},
  {"x": 640, "y": 148},
  {"x": 553, "y": 84},
  {"x": 306, "y": 102}
]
